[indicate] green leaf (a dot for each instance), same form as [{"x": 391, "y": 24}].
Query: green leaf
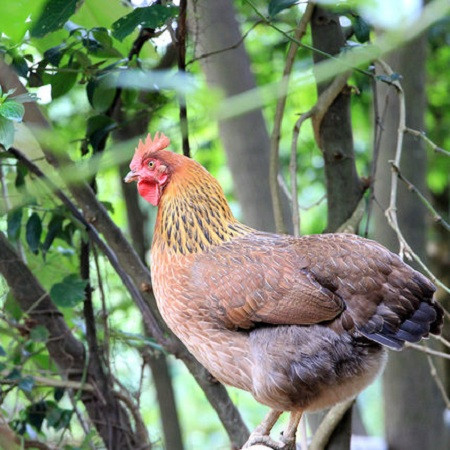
[
  {"x": 33, "y": 232},
  {"x": 101, "y": 91},
  {"x": 108, "y": 206},
  {"x": 26, "y": 384},
  {"x": 13, "y": 19},
  {"x": 69, "y": 292},
  {"x": 54, "y": 54},
  {"x": 13, "y": 220},
  {"x": 12, "y": 308},
  {"x": 20, "y": 65},
  {"x": 6, "y": 132},
  {"x": 53, "y": 17},
  {"x": 21, "y": 171},
  {"x": 58, "y": 393},
  {"x": 2, "y": 351},
  {"x": 361, "y": 29},
  {"x": 98, "y": 128},
  {"x": 276, "y": 6},
  {"x": 62, "y": 82},
  {"x": 98, "y": 42},
  {"x": 152, "y": 16},
  {"x": 39, "y": 334},
  {"x": 36, "y": 414},
  {"x": 12, "y": 110},
  {"x": 54, "y": 228}
]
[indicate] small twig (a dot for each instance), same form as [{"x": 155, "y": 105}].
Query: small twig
[
  {"x": 53, "y": 382},
  {"x": 276, "y": 132},
  {"x": 309, "y": 47},
  {"x": 427, "y": 350},
  {"x": 314, "y": 204},
  {"x": 293, "y": 171},
  {"x": 441, "y": 339},
  {"x": 141, "y": 429},
  {"x": 328, "y": 424},
  {"x": 378, "y": 131},
  {"x": 391, "y": 211},
  {"x": 422, "y": 135},
  {"x": 439, "y": 382},
  {"x": 351, "y": 224},
  {"x": 225, "y": 49},
  {"x": 436, "y": 216}
]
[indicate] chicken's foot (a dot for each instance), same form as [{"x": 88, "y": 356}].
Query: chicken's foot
[
  {"x": 288, "y": 436},
  {"x": 261, "y": 434}
]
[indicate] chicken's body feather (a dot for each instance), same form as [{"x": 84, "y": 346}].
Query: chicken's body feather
[
  {"x": 301, "y": 323},
  {"x": 238, "y": 297}
]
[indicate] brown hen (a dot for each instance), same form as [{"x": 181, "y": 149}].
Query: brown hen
[{"x": 301, "y": 323}]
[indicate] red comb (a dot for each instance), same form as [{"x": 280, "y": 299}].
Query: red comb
[{"x": 159, "y": 142}]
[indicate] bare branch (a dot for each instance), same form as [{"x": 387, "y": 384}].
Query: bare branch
[
  {"x": 441, "y": 339},
  {"x": 293, "y": 171},
  {"x": 436, "y": 216},
  {"x": 391, "y": 211},
  {"x": 225, "y": 49},
  {"x": 317, "y": 113},
  {"x": 329, "y": 423},
  {"x": 422, "y": 135},
  {"x": 351, "y": 225},
  {"x": 276, "y": 132},
  {"x": 427, "y": 350},
  {"x": 439, "y": 382}
]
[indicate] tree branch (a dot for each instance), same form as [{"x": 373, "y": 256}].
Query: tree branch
[
  {"x": 391, "y": 211},
  {"x": 430, "y": 143},
  {"x": 181, "y": 52},
  {"x": 133, "y": 273},
  {"x": 68, "y": 353},
  {"x": 276, "y": 132},
  {"x": 329, "y": 424}
]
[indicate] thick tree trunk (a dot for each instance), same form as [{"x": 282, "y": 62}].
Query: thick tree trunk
[
  {"x": 414, "y": 409},
  {"x": 245, "y": 138}
]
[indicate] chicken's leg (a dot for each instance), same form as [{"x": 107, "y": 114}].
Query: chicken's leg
[
  {"x": 261, "y": 434},
  {"x": 288, "y": 437}
]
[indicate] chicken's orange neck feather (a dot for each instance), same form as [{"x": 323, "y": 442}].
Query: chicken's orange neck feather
[{"x": 193, "y": 213}]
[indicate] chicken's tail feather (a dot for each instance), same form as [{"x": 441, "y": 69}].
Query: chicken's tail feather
[{"x": 411, "y": 324}]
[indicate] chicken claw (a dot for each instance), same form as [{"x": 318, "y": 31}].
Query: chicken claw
[{"x": 257, "y": 439}]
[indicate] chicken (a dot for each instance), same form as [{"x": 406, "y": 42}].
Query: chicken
[{"x": 301, "y": 323}]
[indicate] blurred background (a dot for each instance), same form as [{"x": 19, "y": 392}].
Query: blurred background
[{"x": 82, "y": 81}]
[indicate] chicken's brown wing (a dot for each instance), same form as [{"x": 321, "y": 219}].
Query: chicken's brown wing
[{"x": 251, "y": 281}]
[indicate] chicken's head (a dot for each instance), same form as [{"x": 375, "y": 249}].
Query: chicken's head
[{"x": 148, "y": 170}]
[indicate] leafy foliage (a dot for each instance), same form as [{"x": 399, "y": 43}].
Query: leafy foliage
[
  {"x": 153, "y": 16},
  {"x": 74, "y": 59},
  {"x": 276, "y": 6},
  {"x": 54, "y": 15},
  {"x": 69, "y": 292}
]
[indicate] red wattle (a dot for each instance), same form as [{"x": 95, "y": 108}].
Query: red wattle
[{"x": 150, "y": 191}]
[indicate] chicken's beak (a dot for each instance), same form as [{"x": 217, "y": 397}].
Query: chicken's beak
[{"x": 131, "y": 176}]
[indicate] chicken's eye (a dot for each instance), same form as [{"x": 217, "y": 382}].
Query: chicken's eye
[{"x": 151, "y": 164}]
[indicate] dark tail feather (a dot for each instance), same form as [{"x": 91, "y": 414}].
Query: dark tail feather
[{"x": 427, "y": 318}]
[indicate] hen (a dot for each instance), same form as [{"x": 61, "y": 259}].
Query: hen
[{"x": 301, "y": 323}]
